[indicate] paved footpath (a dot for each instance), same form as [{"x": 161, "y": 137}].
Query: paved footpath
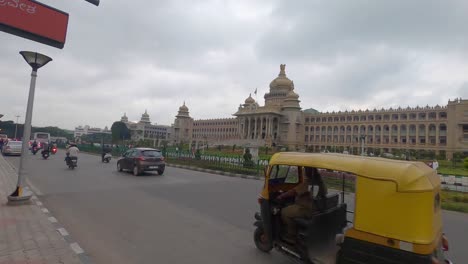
[{"x": 28, "y": 233}]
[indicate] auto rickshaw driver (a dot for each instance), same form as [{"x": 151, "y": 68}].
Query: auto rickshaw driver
[{"x": 303, "y": 206}]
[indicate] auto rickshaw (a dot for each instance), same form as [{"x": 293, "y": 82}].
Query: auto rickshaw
[{"x": 396, "y": 219}]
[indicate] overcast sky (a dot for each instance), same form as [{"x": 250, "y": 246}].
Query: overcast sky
[{"x": 128, "y": 56}]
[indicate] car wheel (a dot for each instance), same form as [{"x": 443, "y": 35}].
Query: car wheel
[
  {"x": 119, "y": 168},
  {"x": 160, "y": 172},
  {"x": 136, "y": 171}
]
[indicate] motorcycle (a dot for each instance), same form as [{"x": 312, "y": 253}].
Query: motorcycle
[
  {"x": 34, "y": 150},
  {"x": 107, "y": 157},
  {"x": 45, "y": 154},
  {"x": 71, "y": 162}
]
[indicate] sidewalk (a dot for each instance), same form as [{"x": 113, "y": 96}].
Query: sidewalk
[{"x": 27, "y": 233}]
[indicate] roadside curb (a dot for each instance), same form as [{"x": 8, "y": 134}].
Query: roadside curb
[
  {"x": 74, "y": 246},
  {"x": 217, "y": 172}
]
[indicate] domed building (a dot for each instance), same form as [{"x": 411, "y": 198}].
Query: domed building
[
  {"x": 277, "y": 123},
  {"x": 281, "y": 122},
  {"x": 145, "y": 130}
]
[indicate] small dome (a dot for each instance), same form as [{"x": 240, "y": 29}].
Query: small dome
[
  {"x": 249, "y": 100},
  {"x": 124, "y": 118},
  {"x": 282, "y": 80},
  {"x": 292, "y": 95},
  {"x": 183, "y": 108}
]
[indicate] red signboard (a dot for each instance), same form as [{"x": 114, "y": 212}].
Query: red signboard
[{"x": 35, "y": 21}]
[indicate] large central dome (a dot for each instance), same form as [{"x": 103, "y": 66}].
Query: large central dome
[{"x": 281, "y": 82}]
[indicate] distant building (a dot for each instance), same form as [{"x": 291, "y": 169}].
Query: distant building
[
  {"x": 281, "y": 122},
  {"x": 144, "y": 130},
  {"x": 87, "y": 130}
]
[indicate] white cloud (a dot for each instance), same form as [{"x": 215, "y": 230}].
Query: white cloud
[{"x": 130, "y": 56}]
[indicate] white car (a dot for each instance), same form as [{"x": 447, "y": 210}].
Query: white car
[{"x": 12, "y": 148}]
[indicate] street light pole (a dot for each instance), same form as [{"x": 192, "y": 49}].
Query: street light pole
[
  {"x": 36, "y": 61},
  {"x": 363, "y": 140},
  {"x": 16, "y": 127}
]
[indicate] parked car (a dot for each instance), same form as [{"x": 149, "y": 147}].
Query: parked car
[
  {"x": 139, "y": 160},
  {"x": 12, "y": 148}
]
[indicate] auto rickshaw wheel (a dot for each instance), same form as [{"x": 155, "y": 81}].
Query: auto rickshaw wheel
[{"x": 261, "y": 240}]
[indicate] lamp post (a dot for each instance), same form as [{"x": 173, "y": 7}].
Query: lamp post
[
  {"x": 16, "y": 127},
  {"x": 36, "y": 61},
  {"x": 363, "y": 141}
]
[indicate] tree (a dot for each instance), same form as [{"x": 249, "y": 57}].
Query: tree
[
  {"x": 465, "y": 163},
  {"x": 248, "y": 162},
  {"x": 120, "y": 131}
]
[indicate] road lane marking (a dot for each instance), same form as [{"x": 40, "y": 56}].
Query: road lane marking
[
  {"x": 62, "y": 231},
  {"x": 75, "y": 247},
  {"x": 45, "y": 210},
  {"x": 39, "y": 203},
  {"x": 53, "y": 219}
]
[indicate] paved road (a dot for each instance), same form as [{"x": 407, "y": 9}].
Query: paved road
[{"x": 180, "y": 217}]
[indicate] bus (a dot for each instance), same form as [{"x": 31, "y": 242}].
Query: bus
[{"x": 40, "y": 137}]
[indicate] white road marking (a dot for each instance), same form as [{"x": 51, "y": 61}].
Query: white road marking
[
  {"x": 62, "y": 231},
  {"x": 76, "y": 248},
  {"x": 39, "y": 203},
  {"x": 53, "y": 219},
  {"x": 45, "y": 210}
]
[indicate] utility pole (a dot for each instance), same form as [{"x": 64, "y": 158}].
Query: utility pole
[{"x": 16, "y": 127}]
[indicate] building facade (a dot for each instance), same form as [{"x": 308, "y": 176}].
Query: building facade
[
  {"x": 282, "y": 122},
  {"x": 144, "y": 130},
  {"x": 87, "y": 130}
]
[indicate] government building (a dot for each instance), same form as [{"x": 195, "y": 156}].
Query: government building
[
  {"x": 144, "y": 130},
  {"x": 281, "y": 122}
]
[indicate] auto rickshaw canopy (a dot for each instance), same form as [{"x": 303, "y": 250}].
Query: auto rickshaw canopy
[{"x": 407, "y": 175}]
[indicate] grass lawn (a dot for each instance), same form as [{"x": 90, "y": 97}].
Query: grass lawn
[
  {"x": 453, "y": 171},
  {"x": 455, "y": 201}
]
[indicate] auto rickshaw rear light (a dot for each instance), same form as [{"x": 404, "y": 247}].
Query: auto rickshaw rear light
[
  {"x": 260, "y": 199},
  {"x": 141, "y": 158},
  {"x": 445, "y": 243}
]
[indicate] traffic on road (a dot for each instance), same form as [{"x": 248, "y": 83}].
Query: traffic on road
[{"x": 120, "y": 218}]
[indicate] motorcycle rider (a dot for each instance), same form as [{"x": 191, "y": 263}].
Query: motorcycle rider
[
  {"x": 45, "y": 148},
  {"x": 34, "y": 145},
  {"x": 72, "y": 152},
  {"x": 105, "y": 149}
]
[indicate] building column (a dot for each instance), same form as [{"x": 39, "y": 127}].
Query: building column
[
  {"x": 407, "y": 135},
  {"x": 437, "y": 135},
  {"x": 261, "y": 126},
  {"x": 270, "y": 120},
  {"x": 398, "y": 134},
  {"x": 255, "y": 128},
  {"x": 248, "y": 130},
  {"x": 267, "y": 126},
  {"x": 417, "y": 134},
  {"x": 427, "y": 134}
]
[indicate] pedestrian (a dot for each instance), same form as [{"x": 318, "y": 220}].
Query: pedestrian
[{"x": 1, "y": 144}]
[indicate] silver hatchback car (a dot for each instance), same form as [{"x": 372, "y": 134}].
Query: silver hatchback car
[{"x": 12, "y": 148}]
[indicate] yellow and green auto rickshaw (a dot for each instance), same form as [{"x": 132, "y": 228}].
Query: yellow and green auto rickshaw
[{"x": 396, "y": 218}]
